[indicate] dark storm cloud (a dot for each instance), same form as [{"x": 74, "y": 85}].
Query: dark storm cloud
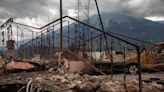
[
  {"x": 23, "y": 8},
  {"x": 134, "y": 7},
  {"x": 35, "y": 8}
]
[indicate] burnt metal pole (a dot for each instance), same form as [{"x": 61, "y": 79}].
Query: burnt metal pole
[
  {"x": 102, "y": 26},
  {"x": 61, "y": 33},
  {"x": 61, "y": 26},
  {"x": 139, "y": 69}
]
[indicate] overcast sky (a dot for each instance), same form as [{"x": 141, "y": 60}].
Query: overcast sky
[{"x": 39, "y": 12}]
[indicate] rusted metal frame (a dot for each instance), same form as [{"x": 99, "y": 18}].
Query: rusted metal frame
[
  {"x": 56, "y": 24},
  {"x": 6, "y": 23},
  {"x": 26, "y": 25},
  {"x": 46, "y": 31},
  {"x": 45, "y": 26},
  {"x": 42, "y": 33},
  {"x": 66, "y": 16},
  {"x": 42, "y": 26}
]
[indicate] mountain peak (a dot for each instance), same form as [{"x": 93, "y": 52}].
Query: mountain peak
[{"x": 132, "y": 26}]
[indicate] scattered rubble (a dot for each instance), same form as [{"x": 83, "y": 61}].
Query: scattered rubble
[{"x": 73, "y": 82}]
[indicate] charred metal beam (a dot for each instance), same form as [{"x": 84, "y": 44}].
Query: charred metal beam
[
  {"x": 139, "y": 69},
  {"x": 6, "y": 23},
  {"x": 61, "y": 26}
]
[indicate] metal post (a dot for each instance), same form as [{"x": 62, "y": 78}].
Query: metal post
[
  {"x": 139, "y": 69},
  {"x": 61, "y": 33},
  {"x": 102, "y": 26},
  {"x": 61, "y": 27},
  {"x": 124, "y": 65}
]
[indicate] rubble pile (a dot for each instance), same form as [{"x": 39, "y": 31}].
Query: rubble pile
[
  {"x": 74, "y": 82},
  {"x": 87, "y": 83},
  {"x": 147, "y": 87}
]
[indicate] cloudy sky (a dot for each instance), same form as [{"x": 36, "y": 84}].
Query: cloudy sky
[{"x": 39, "y": 12}]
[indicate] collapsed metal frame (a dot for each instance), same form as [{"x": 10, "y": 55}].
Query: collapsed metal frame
[
  {"x": 26, "y": 44},
  {"x": 113, "y": 35}
]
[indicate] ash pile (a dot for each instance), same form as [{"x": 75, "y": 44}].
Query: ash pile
[{"x": 86, "y": 83}]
